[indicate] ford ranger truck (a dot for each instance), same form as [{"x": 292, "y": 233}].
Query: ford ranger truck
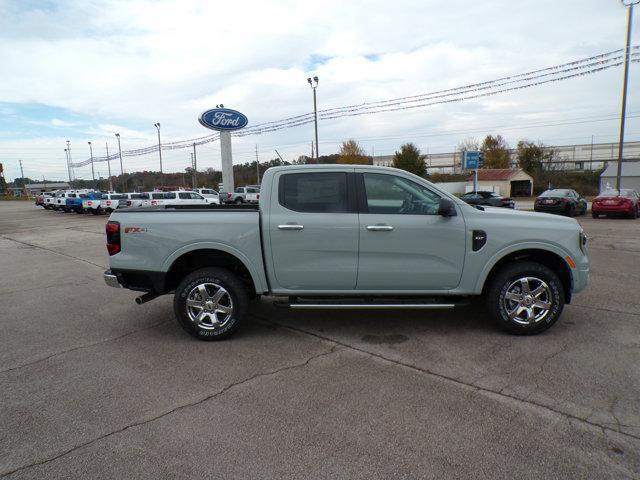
[{"x": 351, "y": 237}]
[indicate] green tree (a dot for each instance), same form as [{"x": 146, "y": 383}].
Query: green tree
[
  {"x": 496, "y": 152},
  {"x": 352, "y": 154},
  {"x": 530, "y": 156},
  {"x": 410, "y": 159}
]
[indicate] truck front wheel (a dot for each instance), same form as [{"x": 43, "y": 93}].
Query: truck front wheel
[
  {"x": 211, "y": 303},
  {"x": 525, "y": 298}
]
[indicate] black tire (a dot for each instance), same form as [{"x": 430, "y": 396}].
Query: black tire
[
  {"x": 238, "y": 201},
  {"x": 507, "y": 279},
  {"x": 571, "y": 210},
  {"x": 634, "y": 214},
  {"x": 234, "y": 289},
  {"x": 594, "y": 215}
]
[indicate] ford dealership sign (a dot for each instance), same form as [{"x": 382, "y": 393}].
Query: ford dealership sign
[{"x": 223, "y": 119}]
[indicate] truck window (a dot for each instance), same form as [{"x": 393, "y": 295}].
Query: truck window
[
  {"x": 184, "y": 195},
  {"x": 239, "y": 190},
  {"x": 389, "y": 194},
  {"x": 169, "y": 195},
  {"x": 324, "y": 192}
]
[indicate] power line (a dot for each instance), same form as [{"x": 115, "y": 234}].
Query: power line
[{"x": 582, "y": 67}]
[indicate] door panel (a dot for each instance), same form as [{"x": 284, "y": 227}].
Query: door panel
[
  {"x": 316, "y": 248},
  {"x": 418, "y": 249}
]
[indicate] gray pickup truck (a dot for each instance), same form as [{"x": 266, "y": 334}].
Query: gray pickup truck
[{"x": 348, "y": 237}]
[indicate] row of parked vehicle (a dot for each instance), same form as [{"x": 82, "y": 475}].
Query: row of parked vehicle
[
  {"x": 624, "y": 202},
  {"x": 96, "y": 202}
]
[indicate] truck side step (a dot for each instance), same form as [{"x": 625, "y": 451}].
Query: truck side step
[
  {"x": 371, "y": 306},
  {"x": 295, "y": 303}
]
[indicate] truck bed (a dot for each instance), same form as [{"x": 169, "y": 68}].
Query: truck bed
[{"x": 152, "y": 244}]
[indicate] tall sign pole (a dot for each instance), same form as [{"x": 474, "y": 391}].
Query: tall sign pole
[
  {"x": 225, "y": 121},
  {"x": 227, "y": 161}
]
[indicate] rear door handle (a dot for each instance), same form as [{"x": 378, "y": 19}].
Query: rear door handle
[
  {"x": 379, "y": 228},
  {"x": 290, "y": 226}
]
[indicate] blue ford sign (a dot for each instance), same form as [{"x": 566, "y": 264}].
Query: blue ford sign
[{"x": 223, "y": 119}]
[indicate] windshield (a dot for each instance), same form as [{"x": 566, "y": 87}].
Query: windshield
[
  {"x": 555, "y": 193},
  {"x": 614, "y": 193}
]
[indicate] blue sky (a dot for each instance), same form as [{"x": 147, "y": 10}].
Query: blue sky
[{"x": 83, "y": 70}]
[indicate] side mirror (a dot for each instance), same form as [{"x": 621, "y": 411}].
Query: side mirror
[{"x": 446, "y": 208}]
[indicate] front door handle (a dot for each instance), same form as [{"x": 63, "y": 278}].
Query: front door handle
[
  {"x": 379, "y": 228},
  {"x": 290, "y": 226}
]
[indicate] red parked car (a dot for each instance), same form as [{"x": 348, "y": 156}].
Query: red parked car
[{"x": 613, "y": 202}]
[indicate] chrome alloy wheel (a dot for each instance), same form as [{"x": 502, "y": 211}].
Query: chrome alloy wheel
[
  {"x": 209, "y": 306},
  {"x": 528, "y": 300}
]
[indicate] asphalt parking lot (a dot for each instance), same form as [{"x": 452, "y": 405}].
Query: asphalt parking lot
[{"x": 94, "y": 386}]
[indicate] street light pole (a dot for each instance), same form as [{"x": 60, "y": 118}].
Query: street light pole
[
  {"x": 69, "y": 154},
  {"x": 66, "y": 151},
  {"x": 93, "y": 175},
  {"x": 109, "y": 167},
  {"x": 124, "y": 187},
  {"x": 157, "y": 125},
  {"x": 313, "y": 82},
  {"x": 623, "y": 114}
]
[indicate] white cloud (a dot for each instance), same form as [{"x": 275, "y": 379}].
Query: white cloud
[{"x": 128, "y": 64}]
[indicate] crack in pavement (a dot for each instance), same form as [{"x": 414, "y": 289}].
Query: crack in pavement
[
  {"x": 53, "y": 251},
  {"x": 454, "y": 380},
  {"x": 195, "y": 403},
  {"x": 80, "y": 347}
]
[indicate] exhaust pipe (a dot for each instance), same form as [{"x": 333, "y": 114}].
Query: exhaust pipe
[{"x": 147, "y": 297}]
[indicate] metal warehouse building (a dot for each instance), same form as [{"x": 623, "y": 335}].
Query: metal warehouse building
[{"x": 630, "y": 177}]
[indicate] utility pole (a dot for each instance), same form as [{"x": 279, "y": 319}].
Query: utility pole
[
  {"x": 24, "y": 183},
  {"x": 157, "y": 125},
  {"x": 257, "y": 167},
  {"x": 93, "y": 174},
  {"x": 195, "y": 166},
  {"x": 591, "y": 156},
  {"x": 109, "y": 167},
  {"x": 314, "y": 85},
  {"x": 124, "y": 184},
  {"x": 629, "y": 4},
  {"x": 193, "y": 173}
]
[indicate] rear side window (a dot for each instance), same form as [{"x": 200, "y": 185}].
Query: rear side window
[
  {"x": 322, "y": 192},
  {"x": 139, "y": 195},
  {"x": 184, "y": 195},
  {"x": 169, "y": 195},
  {"x": 117, "y": 197}
]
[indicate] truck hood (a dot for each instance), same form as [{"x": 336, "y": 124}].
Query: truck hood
[{"x": 508, "y": 214}]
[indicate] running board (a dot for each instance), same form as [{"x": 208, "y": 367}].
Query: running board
[{"x": 368, "y": 306}]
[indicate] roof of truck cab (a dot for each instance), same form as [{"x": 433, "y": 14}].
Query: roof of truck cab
[{"x": 334, "y": 166}]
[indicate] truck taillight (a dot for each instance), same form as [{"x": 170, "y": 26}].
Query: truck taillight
[
  {"x": 128, "y": 203},
  {"x": 89, "y": 203},
  {"x": 113, "y": 237},
  {"x": 108, "y": 203}
]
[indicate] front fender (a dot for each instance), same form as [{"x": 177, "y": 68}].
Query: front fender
[{"x": 560, "y": 251}]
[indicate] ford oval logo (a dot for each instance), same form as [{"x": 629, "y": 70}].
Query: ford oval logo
[{"x": 223, "y": 119}]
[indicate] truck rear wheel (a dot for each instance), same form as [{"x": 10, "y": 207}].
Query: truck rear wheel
[
  {"x": 211, "y": 303},
  {"x": 525, "y": 298}
]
